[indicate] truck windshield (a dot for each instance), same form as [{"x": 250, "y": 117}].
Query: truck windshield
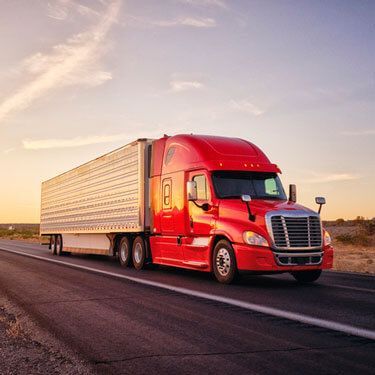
[{"x": 259, "y": 185}]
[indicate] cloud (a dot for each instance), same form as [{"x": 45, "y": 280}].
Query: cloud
[
  {"x": 74, "y": 62},
  {"x": 246, "y": 106},
  {"x": 359, "y": 132},
  {"x": 178, "y": 86},
  {"x": 188, "y": 21},
  {"x": 61, "y": 9},
  {"x": 332, "y": 177},
  {"x": 196, "y": 22},
  {"x": 43, "y": 144},
  {"x": 9, "y": 150},
  {"x": 209, "y": 3}
]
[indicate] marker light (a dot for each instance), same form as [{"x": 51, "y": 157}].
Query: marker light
[
  {"x": 326, "y": 238},
  {"x": 254, "y": 239}
]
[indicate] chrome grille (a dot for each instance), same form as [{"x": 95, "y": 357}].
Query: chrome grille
[{"x": 296, "y": 231}]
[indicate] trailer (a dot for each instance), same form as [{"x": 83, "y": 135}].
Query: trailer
[{"x": 83, "y": 209}]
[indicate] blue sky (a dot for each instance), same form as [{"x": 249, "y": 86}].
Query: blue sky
[{"x": 79, "y": 78}]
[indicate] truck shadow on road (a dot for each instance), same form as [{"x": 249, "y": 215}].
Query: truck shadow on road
[{"x": 185, "y": 278}]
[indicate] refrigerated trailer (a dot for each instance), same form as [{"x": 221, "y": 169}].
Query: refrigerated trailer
[{"x": 207, "y": 203}]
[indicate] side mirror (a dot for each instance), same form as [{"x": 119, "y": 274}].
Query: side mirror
[
  {"x": 293, "y": 193},
  {"x": 192, "y": 193},
  {"x": 320, "y": 201},
  {"x": 245, "y": 198}
]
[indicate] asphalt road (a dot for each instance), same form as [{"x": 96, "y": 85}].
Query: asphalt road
[{"x": 122, "y": 326}]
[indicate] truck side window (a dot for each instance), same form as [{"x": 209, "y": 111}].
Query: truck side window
[
  {"x": 201, "y": 186},
  {"x": 167, "y": 193},
  {"x": 270, "y": 187}
]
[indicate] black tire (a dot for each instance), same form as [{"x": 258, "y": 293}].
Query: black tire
[
  {"x": 139, "y": 253},
  {"x": 307, "y": 276},
  {"x": 59, "y": 245},
  {"x": 124, "y": 252},
  {"x": 52, "y": 245},
  {"x": 224, "y": 262}
]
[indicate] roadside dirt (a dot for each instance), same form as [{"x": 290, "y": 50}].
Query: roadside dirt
[
  {"x": 354, "y": 258},
  {"x": 26, "y": 349}
]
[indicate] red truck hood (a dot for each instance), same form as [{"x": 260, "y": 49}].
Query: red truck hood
[{"x": 260, "y": 207}]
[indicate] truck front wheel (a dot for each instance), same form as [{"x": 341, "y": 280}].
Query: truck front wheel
[
  {"x": 124, "y": 252},
  {"x": 139, "y": 253},
  {"x": 224, "y": 262},
  {"x": 306, "y": 276}
]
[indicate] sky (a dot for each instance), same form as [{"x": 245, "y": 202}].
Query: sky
[{"x": 297, "y": 78}]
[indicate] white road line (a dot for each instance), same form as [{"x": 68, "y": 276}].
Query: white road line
[{"x": 322, "y": 323}]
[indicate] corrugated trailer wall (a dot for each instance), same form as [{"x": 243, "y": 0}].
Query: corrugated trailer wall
[{"x": 108, "y": 194}]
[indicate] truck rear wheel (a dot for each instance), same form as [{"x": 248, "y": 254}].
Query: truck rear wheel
[
  {"x": 124, "y": 252},
  {"x": 58, "y": 245},
  {"x": 139, "y": 253},
  {"x": 224, "y": 262},
  {"x": 306, "y": 276},
  {"x": 52, "y": 244}
]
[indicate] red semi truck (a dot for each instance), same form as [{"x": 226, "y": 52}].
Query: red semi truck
[{"x": 208, "y": 203}]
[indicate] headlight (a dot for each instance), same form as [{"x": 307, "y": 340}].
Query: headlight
[
  {"x": 255, "y": 239},
  {"x": 327, "y": 238}
]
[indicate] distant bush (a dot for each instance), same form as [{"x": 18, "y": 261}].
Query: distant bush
[
  {"x": 360, "y": 239},
  {"x": 340, "y": 221},
  {"x": 369, "y": 227},
  {"x": 14, "y": 234}
]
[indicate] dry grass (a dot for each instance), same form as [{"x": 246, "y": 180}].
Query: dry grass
[
  {"x": 14, "y": 329},
  {"x": 26, "y": 235}
]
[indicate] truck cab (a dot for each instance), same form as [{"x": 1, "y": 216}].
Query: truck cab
[{"x": 217, "y": 204}]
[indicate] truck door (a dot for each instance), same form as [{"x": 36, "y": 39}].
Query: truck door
[
  {"x": 171, "y": 219},
  {"x": 200, "y": 222},
  {"x": 167, "y": 226}
]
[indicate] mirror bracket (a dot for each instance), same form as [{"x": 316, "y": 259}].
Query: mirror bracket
[
  {"x": 204, "y": 206},
  {"x": 247, "y": 199}
]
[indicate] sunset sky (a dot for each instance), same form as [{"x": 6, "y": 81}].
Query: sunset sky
[{"x": 297, "y": 78}]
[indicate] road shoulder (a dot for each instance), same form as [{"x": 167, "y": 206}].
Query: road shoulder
[{"x": 26, "y": 348}]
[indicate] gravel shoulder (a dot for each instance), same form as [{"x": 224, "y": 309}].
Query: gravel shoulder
[{"x": 26, "y": 349}]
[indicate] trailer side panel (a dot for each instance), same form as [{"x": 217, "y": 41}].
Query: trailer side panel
[{"x": 105, "y": 195}]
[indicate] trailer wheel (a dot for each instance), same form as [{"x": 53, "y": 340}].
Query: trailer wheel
[
  {"x": 52, "y": 244},
  {"x": 59, "y": 245},
  {"x": 307, "y": 276},
  {"x": 224, "y": 262},
  {"x": 139, "y": 253},
  {"x": 124, "y": 252}
]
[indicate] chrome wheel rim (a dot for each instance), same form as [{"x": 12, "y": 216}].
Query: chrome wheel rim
[
  {"x": 223, "y": 262},
  {"x": 138, "y": 253},
  {"x": 124, "y": 252}
]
